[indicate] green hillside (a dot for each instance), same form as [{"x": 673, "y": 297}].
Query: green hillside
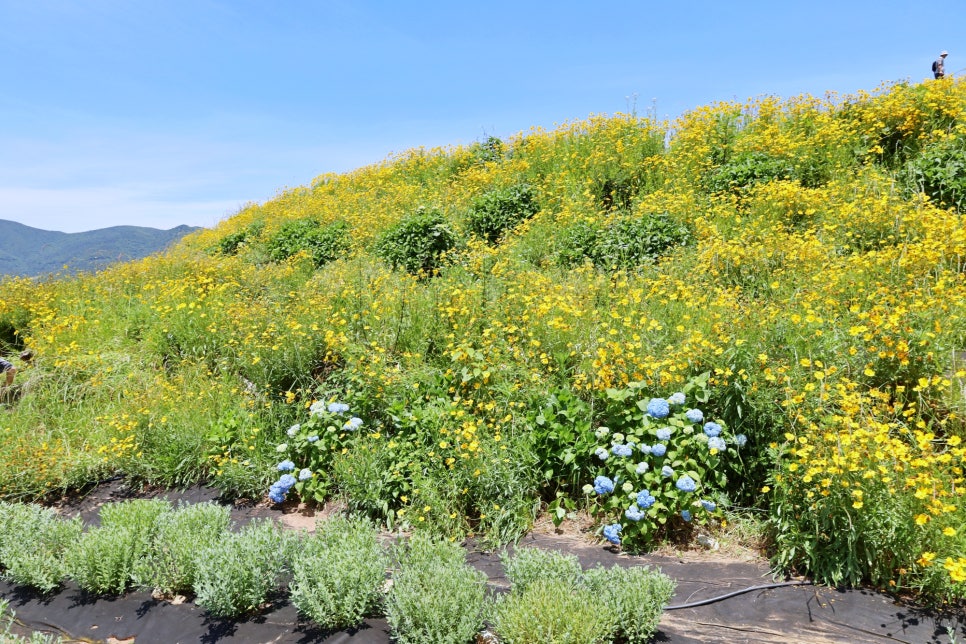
[
  {"x": 755, "y": 310},
  {"x": 30, "y": 252}
]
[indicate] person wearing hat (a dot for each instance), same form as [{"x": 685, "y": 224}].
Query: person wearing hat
[
  {"x": 8, "y": 368},
  {"x": 939, "y": 66}
]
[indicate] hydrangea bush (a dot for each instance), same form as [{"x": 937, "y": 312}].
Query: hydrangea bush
[
  {"x": 658, "y": 463},
  {"x": 329, "y": 429}
]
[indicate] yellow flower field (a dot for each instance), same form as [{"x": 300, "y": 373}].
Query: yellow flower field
[{"x": 808, "y": 253}]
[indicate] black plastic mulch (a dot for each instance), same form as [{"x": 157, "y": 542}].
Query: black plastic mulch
[{"x": 787, "y": 614}]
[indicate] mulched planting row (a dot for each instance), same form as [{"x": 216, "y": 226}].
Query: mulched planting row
[{"x": 800, "y": 613}]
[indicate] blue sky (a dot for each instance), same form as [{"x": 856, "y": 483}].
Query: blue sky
[{"x": 166, "y": 112}]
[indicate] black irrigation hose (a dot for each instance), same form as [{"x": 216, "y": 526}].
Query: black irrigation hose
[{"x": 738, "y": 592}]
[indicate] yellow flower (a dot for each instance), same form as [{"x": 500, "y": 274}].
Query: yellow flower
[
  {"x": 926, "y": 559},
  {"x": 956, "y": 569},
  {"x": 949, "y": 531}
]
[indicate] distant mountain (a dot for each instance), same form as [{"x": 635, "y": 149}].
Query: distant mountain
[{"x": 29, "y": 252}]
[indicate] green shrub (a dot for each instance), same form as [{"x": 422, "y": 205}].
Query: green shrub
[
  {"x": 659, "y": 463},
  {"x": 231, "y": 243},
  {"x": 553, "y": 611},
  {"x": 14, "y": 324},
  {"x": 636, "y": 597},
  {"x": 372, "y": 477},
  {"x": 627, "y": 242},
  {"x": 563, "y": 440},
  {"x": 33, "y": 540},
  {"x": 419, "y": 243},
  {"x": 838, "y": 544},
  {"x": 497, "y": 211},
  {"x": 528, "y": 565},
  {"x": 939, "y": 171},
  {"x": 170, "y": 567},
  {"x": 339, "y": 573},
  {"x": 140, "y": 515},
  {"x": 236, "y": 575},
  {"x": 578, "y": 243},
  {"x": 308, "y": 451},
  {"x": 103, "y": 560},
  {"x": 632, "y": 241},
  {"x": 746, "y": 170},
  {"x": 490, "y": 151},
  {"x": 323, "y": 243},
  {"x": 435, "y": 596},
  {"x": 492, "y": 493}
]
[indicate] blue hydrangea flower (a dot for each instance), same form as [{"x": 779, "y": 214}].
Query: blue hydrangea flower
[
  {"x": 603, "y": 485},
  {"x": 686, "y": 484},
  {"x": 716, "y": 442},
  {"x": 305, "y": 474},
  {"x": 664, "y": 434},
  {"x": 712, "y": 429},
  {"x": 667, "y": 472},
  {"x": 634, "y": 513},
  {"x": 642, "y": 467},
  {"x": 612, "y": 533},
  {"x": 694, "y": 415},
  {"x": 658, "y": 408},
  {"x": 710, "y": 506},
  {"x": 659, "y": 450},
  {"x": 312, "y": 438},
  {"x": 338, "y": 408},
  {"x": 601, "y": 453},
  {"x": 644, "y": 499},
  {"x": 293, "y": 430},
  {"x": 676, "y": 398},
  {"x": 645, "y": 449},
  {"x": 317, "y": 408},
  {"x": 280, "y": 488},
  {"x": 352, "y": 424},
  {"x": 276, "y": 493},
  {"x": 741, "y": 440},
  {"x": 686, "y": 515},
  {"x": 286, "y": 466},
  {"x": 621, "y": 450}
]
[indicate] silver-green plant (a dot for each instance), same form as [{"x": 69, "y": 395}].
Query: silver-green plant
[
  {"x": 170, "y": 566},
  {"x": 237, "y": 573},
  {"x": 435, "y": 596},
  {"x": 103, "y": 560},
  {"x": 33, "y": 540},
  {"x": 141, "y": 517},
  {"x": 636, "y": 596},
  {"x": 553, "y": 611},
  {"x": 527, "y": 565},
  {"x": 339, "y": 573}
]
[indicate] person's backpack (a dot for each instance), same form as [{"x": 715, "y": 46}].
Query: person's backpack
[{"x": 934, "y": 66}]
